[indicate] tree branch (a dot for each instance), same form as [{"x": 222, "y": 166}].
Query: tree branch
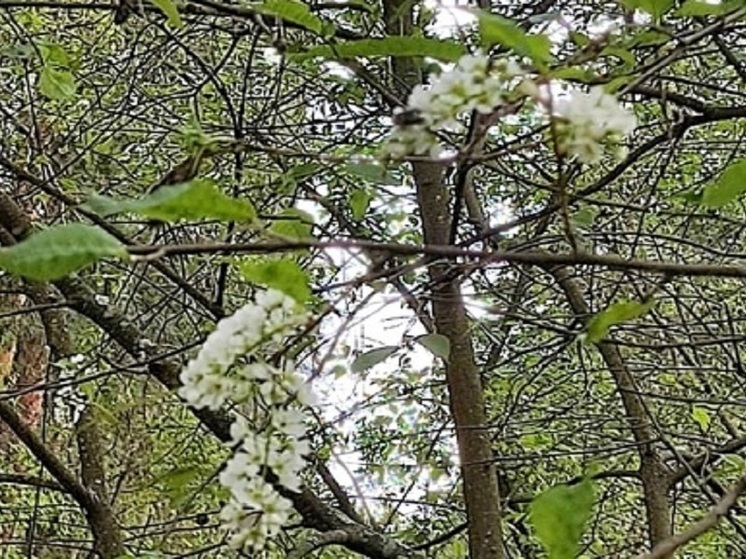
[{"x": 708, "y": 522}]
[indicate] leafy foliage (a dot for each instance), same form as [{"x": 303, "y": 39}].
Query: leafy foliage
[
  {"x": 197, "y": 199},
  {"x": 497, "y": 30},
  {"x": 282, "y": 273},
  {"x": 286, "y": 109},
  {"x": 728, "y": 187},
  {"x": 58, "y": 251},
  {"x": 559, "y": 516},
  {"x": 624, "y": 311}
]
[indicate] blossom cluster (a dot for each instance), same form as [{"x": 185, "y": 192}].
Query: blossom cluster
[
  {"x": 229, "y": 367},
  {"x": 475, "y": 84},
  {"x": 584, "y": 122}
]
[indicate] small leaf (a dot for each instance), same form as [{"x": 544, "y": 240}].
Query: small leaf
[
  {"x": 438, "y": 344},
  {"x": 293, "y": 224},
  {"x": 694, "y": 8},
  {"x": 57, "y": 83},
  {"x": 371, "y": 358},
  {"x": 371, "y": 172},
  {"x": 197, "y": 199},
  {"x": 293, "y": 11},
  {"x": 495, "y": 29},
  {"x": 58, "y": 251},
  {"x": 624, "y": 311},
  {"x": 359, "y": 202},
  {"x": 701, "y": 416},
  {"x": 583, "y": 75},
  {"x": 171, "y": 11},
  {"x": 284, "y": 274},
  {"x": 584, "y": 217},
  {"x": 559, "y": 515},
  {"x": 449, "y": 51},
  {"x": 656, "y": 8},
  {"x": 623, "y": 54},
  {"x": 649, "y": 38},
  {"x": 54, "y": 54},
  {"x": 177, "y": 481},
  {"x": 729, "y": 186},
  {"x": 179, "y": 477}
]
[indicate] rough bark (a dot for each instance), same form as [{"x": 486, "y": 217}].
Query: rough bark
[
  {"x": 481, "y": 493},
  {"x": 653, "y": 475},
  {"x": 108, "y": 537}
]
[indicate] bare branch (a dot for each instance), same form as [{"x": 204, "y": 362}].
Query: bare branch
[{"x": 667, "y": 547}]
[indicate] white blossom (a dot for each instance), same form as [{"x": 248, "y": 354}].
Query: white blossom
[
  {"x": 474, "y": 84},
  {"x": 220, "y": 373},
  {"x": 586, "y": 120},
  {"x": 289, "y": 422}
]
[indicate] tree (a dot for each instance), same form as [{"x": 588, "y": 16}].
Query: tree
[{"x": 211, "y": 210}]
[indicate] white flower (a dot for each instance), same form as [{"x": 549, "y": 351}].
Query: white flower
[
  {"x": 276, "y": 511},
  {"x": 256, "y": 512},
  {"x": 420, "y": 98},
  {"x": 246, "y": 527},
  {"x": 239, "y": 430},
  {"x": 272, "y": 393},
  {"x": 239, "y": 475},
  {"x": 257, "y": 447},
  {"x": 586, "y": 120},
  {"x": 298, "y": 447},
  {"x": 286, "y": 466},
  {"x": 296, "y": 386},
  {"x": 413, "y": 140},
  {"x": 289, "y": 422},
  {"x": 474, "y": 84},
  {"x": 473, "y": 64},
  {"x": 209, "y": 391},
  {"x": 256, "y": 371}
]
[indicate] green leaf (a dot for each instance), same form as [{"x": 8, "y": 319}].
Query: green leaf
[
  {"x": 583, "y": 75},
  {"x": 293, "y": 11},
  {"x": 359, "y": 202},
  {"x": 648, "y": 38},
  {"x": 293, "y": 224},
  {"x": 438, "y": 344},
  {"x": 701, "y": 416},
  {"x": 624, "y": 311},
  {"x": 371, "y": 358},
  {"x": 449, "y": 51},
  {"x": 179, "y": 477},
  {"x": 584, "y": 217},
  {"x": 171, "y": 11},
  {"x": 623, "y": 54},
  {"x": 694, "y": 8},
  {"x": 729, "y": 186},
  {"x": 58, "y": 251},
  {"x": 283, "y": 274},
  {"x": 177, "y": 481},
  {"x": 559, "y": 516},
  {"x": 371, "y": 172},
  {"x": 656, "y": 8},
  {"x": 197, "y": 199},
  {"x": 57, "y": 83},
  {"x": 54, "y": 54},
  {"x": 497, "y": 30}
]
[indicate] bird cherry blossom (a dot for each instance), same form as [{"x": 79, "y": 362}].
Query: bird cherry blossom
[
  {"x": 274, "y": 438},
  {"x": 587, "y": 120},
  {"x": 474, "y": 84}
]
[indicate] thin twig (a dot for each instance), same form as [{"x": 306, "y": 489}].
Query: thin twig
[{"x": 708, "y": 522}]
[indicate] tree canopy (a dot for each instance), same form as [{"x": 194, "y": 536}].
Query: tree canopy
[{"x": 394, "y": 279}]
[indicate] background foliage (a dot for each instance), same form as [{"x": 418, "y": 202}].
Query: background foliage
[{"x": 604, "y": 304}]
